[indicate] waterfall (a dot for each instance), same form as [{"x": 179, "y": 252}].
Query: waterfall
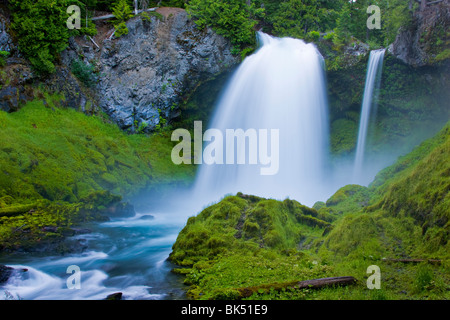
[
  {"x": 373, "y": 78},
  {"x": 280, "y": 87}
]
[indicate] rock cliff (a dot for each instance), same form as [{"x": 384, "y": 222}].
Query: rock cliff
[
  {"x": 426, "y": 40},
  {"x": 146, "y": 74},
  {"x": 140, "y": 78}
]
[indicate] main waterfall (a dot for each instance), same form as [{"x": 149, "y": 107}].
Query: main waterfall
[
  {"x": 373, "y": 78},
  {"x": 280, "y": 87}
]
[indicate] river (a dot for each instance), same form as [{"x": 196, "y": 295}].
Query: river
[{"x": 127, "y": 255}]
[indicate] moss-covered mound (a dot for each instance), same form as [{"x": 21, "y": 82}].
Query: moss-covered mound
[
  {"x": 404, "y": 212},
  {"x": 245, "y": 241},
  {"x": 245, "y": 223}
]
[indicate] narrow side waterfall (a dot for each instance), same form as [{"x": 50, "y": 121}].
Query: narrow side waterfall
[
  {"x": 373, "y": 78},
  {"x": 281, "y": 87}
]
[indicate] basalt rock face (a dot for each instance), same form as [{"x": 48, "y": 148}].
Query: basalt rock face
[
  {"x": 141, "y": 78},
  {"x": 426, "y": 40},
  {"x": 147, "y": 73}
]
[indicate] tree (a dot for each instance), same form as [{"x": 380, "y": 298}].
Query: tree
[
  {"x": 296, "y": 17},
  {"x": 42, "y": 33},
  {"x": 352, "y": 20},
  {"x": 233, "y": 19},
  {"x": 122, "y": 12}
]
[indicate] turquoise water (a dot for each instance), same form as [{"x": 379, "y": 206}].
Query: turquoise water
[{"x": 126, "y": 255}]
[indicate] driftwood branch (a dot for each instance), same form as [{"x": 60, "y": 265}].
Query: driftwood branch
[
  {"x": 432, "y": 261},
  {"x": 307, "y": 284},
  {"x": 110, "y": 16},
  {"x": 94, "y": 42}
]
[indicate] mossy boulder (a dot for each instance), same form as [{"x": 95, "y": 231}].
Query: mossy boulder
[{"x": 244, "y": 221}]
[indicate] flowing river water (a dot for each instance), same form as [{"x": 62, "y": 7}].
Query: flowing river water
[{"x": 127, "y": 255}]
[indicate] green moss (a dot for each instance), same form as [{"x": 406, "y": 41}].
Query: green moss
[
  {"x": 420, "y": 189},
  {"x": 57, "y": 153},
  {"x": 442, "y": 56},
  {"x": 351, "y": 198},
  {"x": 64, "y": 156}
]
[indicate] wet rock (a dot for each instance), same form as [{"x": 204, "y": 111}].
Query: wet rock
[
  {"x": 78, "y": 231},
  {"x": 9, "y": 99},
  {"x": 6, "y": 41},
  {"x": 5, "y": 273},
  {"x": 114, "y": 296},
  {"x": 147, "y": 217},
  {"x": 50, "y": 229},
  {"x": 122, "y": 210}
]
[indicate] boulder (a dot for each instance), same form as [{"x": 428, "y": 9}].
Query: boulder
[
  {"x": 114, "y": 296},
  {"x": 5, "y": 273}
]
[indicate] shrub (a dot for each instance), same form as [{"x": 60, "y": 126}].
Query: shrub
[
  {"x": 313, "y": 36},
  {"x": 84, "y": 72},
  {"x": 423, "y": 278},
  {"x": 122, "y": 12},
  {"x": 3, "y": 56},
  {"x": 42, "y": 33},
  {"x": 121, "y": 29}
]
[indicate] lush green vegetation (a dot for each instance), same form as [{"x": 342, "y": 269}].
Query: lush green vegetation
[
  {"x": 233, "y": 19},
  {"x": 338, "y": 20},
  {"x": 59, "y": 167},
  {"x": 43, "y": 33},
  {"x": 52, "y": 155},
  {"x": 41, "y": 29},
  {"x": 245, "y": 241},
  {"x": 122, "y": 12}
]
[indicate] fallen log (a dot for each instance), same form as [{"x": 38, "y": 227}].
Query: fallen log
[
  {"x": 16, "y": 210},
  {"x": 110, "y": 16},
  {"x": 432, "y": 261},
  {"x": 94, "y": 42},
  {"x": 307, "y": 284}
]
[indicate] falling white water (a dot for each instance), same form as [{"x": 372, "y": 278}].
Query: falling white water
[
  {"x": 281, "y": 86},
  {"x": 373, "y": 77}
]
